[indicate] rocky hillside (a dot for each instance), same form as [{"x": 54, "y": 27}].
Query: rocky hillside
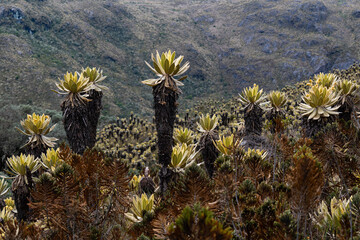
[{"x": 230, "y": 45}]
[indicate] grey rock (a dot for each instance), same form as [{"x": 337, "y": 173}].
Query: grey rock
[
  {"x": 89, "y": 13},
  {"x": 192, "y": 50},
  {"x": 43, "y": 21},
  {"x": 344, "y": 62},
  {"x": 325, "y": 29},
  {"x": 319, "y": 63},
  {"x": 265, "y": 16},
  {"x": 248, "y": 70},
  {"x": 204, "y": 18},
  {"x": 17, "y": 13},
  {"x": 295, "y": 54},
  {"x": 252, "y": 7},
  {"x": 319, "y": 41},
  {"x": 314, "y": 8},
  {"x": 302, "y": 73},
  {"x": 226, "y": 53},
  {"x": 306, "y": 17},
  {"x": 11, "y": 13},
  {"x": 199, "y": 75},
  {"x": 2, "y": 11},
  {"x": 268, "y": 46},
  {"x": 248, "y": 38},
  {"x": 356, "y": 14},
  {"x": 210, "y": 36}
]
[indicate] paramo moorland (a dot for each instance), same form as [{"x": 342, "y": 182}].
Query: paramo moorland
[{"x": 153, "y": 154}]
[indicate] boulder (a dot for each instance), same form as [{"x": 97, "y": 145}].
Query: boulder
[
  {"x": 306, "y": 16},
  {"x": 356, "y": 14},
  {"x": 204, "y": 18}
]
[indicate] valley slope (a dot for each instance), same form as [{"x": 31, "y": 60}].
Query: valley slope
[{"x": 230, "y": 45}]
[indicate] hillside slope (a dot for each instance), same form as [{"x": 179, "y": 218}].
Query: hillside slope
[{"x": 230, "y": 45}]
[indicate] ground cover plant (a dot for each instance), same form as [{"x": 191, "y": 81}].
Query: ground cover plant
[{"x": 277, "y": 165}]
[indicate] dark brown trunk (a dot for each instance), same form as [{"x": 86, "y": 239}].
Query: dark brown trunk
[
  {"x": 36, "y": 150},
  {"x": 147, "y": 186},
  {"x": 94, "y": 109},
  {"x": 21, "y": 190},
  {"x": 313, "y": 127},
  {"x": 275, "y": 118},
  {"x": 253, "y": 119},
  {"x": 209, "y": 152},
  {"x": 80, "y": 122},
  {"x": 345, "y": 112},
  {"x": 165, "y": 113}
]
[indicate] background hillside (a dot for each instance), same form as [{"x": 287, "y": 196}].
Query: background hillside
[{"x": 230, "y": 45}]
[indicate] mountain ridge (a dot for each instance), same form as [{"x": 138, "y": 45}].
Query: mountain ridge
[{"x": 230, "y": 45}]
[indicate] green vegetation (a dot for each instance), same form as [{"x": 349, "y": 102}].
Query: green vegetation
[
  {"x": 207, "y": 127},
  {"x": 166, "y": 92},
  {"x": 140, "y": 206},
  {"x": 51, "y": 159},
  {"x": 37, "y": 127},
  {"x": 41, "y": 40},
  {"x": 277, "y": 100},
  {"x": 294, "y": 176},
  {"x": 18, "y": 164},
  {"x": 182, "y": 156},
  {"x": 198, "y": 224},
  {"x": 74, "y": 87},
  {"x": 167, "y": 67},
  {"x": 252, "y": 99},
  {"x": 183, "y": 135},
  {"x": 319, "y": 103},
  {"x": 284, "y": 185},
  {"x": 81, "y": 107},
  {"x": 10, "y": 116}
]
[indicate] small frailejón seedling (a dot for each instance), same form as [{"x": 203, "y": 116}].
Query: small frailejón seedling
[
  {"x": 165, "y": 91},
  {"x": 140, "y": 206},
  {"x": 182, "y": 157},
  {"x": 51, "y": 159},
  {"x": 330, "y": 222}
]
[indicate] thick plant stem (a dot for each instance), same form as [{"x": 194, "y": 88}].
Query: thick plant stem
[
  {"x": 276, "y": 117},
  {"x": 253, "y": 119},
  {"x": 21, "y": 188},
  {"x": 94, "y": 109},
  {"x": 165, "y": 113},
  {"x": 345, "y": 112},
  {"x": 313, "y": 127},
  {"x": 80, "y": 122},
  {"x": 36, "y": 150},
  {"x": 209, "y": 152}
]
